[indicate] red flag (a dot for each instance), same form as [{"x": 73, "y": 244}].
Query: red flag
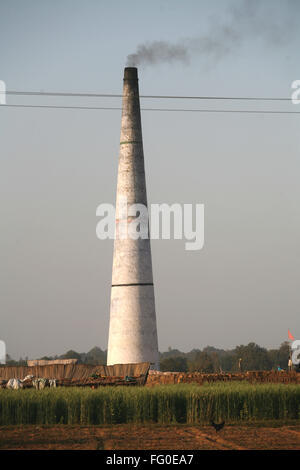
[{"x": 291, "y": 337}]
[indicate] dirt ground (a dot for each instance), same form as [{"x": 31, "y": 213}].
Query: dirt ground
[{"x": 152, "y": 437}]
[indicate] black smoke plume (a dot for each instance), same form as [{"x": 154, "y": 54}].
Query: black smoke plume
[{"x": 271, "y": 21}]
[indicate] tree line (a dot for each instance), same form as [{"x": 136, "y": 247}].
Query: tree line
[
  {"x": 207, "y": 360},
  {"x": 96, "y": 356},
  {"x": 213, "y": 360}
]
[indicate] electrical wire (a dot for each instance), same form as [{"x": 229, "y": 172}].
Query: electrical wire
[
  {"x": 112, "y": 95},
  {"x": 246, "y": 111}
]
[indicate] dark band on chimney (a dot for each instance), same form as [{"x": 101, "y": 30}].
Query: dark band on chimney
[{"x": 133, "y": 284}]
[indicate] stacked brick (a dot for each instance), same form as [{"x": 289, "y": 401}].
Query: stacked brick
[{"x": 168, "y": 378}]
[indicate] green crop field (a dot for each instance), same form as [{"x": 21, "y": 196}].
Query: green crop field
[{"x": 184, "y": 403}]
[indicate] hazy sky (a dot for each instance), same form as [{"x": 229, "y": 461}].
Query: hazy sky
[{"x": 58, "y": 165}]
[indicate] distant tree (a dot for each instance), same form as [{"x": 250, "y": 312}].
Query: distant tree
[
  {"x": 253, "y": 357},
  {"x": 216, "y": 361},
  {"x": 280, "y": 357},
  {"x": 211, "y": 359},
  {"x": 22, "y": 362},
  {"x": 71, "y": 355},
  {"x": 227, "y": 361},
  {"x": 12, "y": 362},
  {"x": 283, "y": 354},
  {"x": 203, "y": 362},
  {"x": 172, "y": 353},
  {"x": 174, "y": 364},
  {"x": 95, "y": 356},
  {"x": 212, "y": 349},
  {"x": 192, "y": 354}
]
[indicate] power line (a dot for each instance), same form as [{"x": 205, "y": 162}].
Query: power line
[
  {"x": 112, "y": 95},
  {"x": 49, "y": 93},
  {"x": 246, "y": 111}
]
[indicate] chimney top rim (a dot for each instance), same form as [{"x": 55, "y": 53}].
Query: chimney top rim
[{"x": 130, "y": 73}]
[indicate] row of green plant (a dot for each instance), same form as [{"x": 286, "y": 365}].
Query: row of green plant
[{"x": 183, "y": 403}]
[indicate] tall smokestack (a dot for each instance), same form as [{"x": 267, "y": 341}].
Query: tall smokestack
[{"x": 132, "y": 328}]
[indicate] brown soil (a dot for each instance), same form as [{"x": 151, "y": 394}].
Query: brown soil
[{"x": 152, "y": 437}]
